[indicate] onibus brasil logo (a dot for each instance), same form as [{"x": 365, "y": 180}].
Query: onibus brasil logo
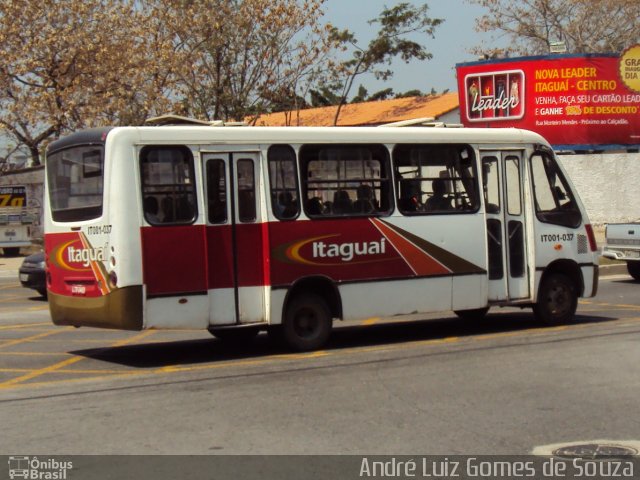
[{"x": 38, "y": 469}]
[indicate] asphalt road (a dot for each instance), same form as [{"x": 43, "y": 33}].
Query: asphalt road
[{"x": 434, "y": 385}]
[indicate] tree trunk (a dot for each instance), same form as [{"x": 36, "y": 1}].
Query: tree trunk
[{"x": 35, "y": 155}]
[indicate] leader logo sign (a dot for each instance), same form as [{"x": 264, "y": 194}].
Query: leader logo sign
[{"x": 495, "y": 96}]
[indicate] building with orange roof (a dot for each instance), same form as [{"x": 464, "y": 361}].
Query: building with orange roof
[{"x": 439, "y": 108}]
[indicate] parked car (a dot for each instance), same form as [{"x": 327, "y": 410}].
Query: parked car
[
  {"x": 32, "y": 273},
  {"x": 622, "y": 242}
]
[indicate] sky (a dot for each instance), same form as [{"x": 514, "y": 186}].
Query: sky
[{"x": 453, "y": 39}]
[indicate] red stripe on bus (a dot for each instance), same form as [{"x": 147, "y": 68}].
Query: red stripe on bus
[{"x": 421, "y": 263}]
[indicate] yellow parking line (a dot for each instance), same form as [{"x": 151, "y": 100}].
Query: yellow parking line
[
  {"x": 89, "y": 371},
  {"x": 370, "y": 321},
  {"x": 10, "y": 286},
  {"x": 32, "y": 338},
  {"x": 11, "y": 299},
  {"x": 25, "y": 325},
  {"x": 38, "y": 308},
  {"x": 67, "y": 362},
  {"x": 610, "y": 305},
  {"x": 35, "y": 354}
]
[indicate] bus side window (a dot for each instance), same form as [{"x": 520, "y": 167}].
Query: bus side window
[
  {"x": 345, "y": 180},
  {"x": 216, "y": 191},
  {"x": 283, "y": 181},
  {"x": 167, "y": 175},
  {"x": 246, "y": 191},
  {"x": 554, "y": 199},
  {"x": 435, "y": 179}
]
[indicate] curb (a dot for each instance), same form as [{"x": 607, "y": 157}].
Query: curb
[{"x": 613, "y": 269}]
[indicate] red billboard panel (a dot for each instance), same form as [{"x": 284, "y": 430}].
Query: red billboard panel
[{"x": 574, "y": 101}]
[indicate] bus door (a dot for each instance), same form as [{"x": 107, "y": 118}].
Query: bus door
[
  {"x": 236, "y": 250},
  {"x": 503, "y": 176}
]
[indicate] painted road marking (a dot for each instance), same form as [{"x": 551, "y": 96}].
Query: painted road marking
[
  {"x": 70, "y": 361},
  {"x": 25, "y": 325},
  {"x": 370, "y": 321},
  {"x": 33, "y": 338},
  {"x": 61, "y": 367}
]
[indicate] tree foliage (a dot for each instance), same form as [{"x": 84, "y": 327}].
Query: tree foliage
[
  {"x": 68, "y": 64},
  {"x": 242, "y": 57},
  {"x": 392, "y": 41},
  {"x": 530, "y": 26}
]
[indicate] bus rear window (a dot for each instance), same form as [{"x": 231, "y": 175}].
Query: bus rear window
[{"x": 75, "y": 181}]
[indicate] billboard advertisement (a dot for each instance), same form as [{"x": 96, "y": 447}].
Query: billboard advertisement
[{"x": 574, "y": 101}]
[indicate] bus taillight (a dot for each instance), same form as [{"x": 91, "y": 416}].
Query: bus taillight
[{"x": 593, "y": 245}]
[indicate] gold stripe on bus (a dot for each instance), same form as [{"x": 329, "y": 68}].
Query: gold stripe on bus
[{"x": 97, "y": 267}]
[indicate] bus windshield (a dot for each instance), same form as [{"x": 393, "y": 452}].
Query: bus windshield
[{"x": 75, "y": 180}]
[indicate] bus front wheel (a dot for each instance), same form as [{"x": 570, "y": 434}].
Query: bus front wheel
[
  {"x": 557, "y": 300},
  {"x": 307, "y": 323}
]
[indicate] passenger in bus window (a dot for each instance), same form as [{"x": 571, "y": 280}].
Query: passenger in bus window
[
  {"x": 168, "y": 209},
  {"x": 363, "y": 203},
  {"x": 287, "y": 206},
  {"x": 185, "y": 209},
  {"x": 438, "y": 201},
  {"x": 314, "y": 206},
  {"x": 342, "y": 202},
  {"x": 150, "y": 205},
  {"x": 410, "y": 199}
]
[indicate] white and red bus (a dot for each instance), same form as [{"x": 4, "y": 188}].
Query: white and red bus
[{"x": 238, "y": 229}]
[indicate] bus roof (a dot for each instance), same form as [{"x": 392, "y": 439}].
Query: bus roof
[
  {"x": 190, "y": 134},
  {"x": 253, "y": 135}
]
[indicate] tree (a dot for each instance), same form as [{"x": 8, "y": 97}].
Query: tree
[
  {"x": 396, "y": 24},
  {"x": 410, "y": 93},
  {"x": 530, "y": 26},
  {"x": 69, "y": 64},
  {"x": 241, "y": 57},
  {"x": 323, "y": 96},
  {"x": 361, "y": 96},
  {"x": 381, "y": 95}
]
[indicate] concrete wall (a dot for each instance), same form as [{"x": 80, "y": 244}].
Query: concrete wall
[{"x": 608, "y": 184}]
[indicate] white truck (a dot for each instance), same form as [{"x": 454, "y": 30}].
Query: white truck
[
  {"x": 622, "y": 242},
  {"x": 15, "y": 220}
]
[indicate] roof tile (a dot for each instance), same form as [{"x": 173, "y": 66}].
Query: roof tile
[{"x": 366, "y": 113}]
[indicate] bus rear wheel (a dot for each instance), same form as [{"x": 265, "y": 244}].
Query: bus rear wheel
[
  {"x": 557, "y": 300},
  {"x": 307, "y": 323},
  {"x": 634, "y": 270}
]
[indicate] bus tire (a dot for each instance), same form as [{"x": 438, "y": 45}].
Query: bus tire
[
  {"x": 557, "y": 300},
  {"x": 307, "y": 323},
  {"x": 473, "y": 314},
  {"x": 634, "y": 270},
  {"x": 235, "y": 335},
  {"x": 11, "y": 251}
]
